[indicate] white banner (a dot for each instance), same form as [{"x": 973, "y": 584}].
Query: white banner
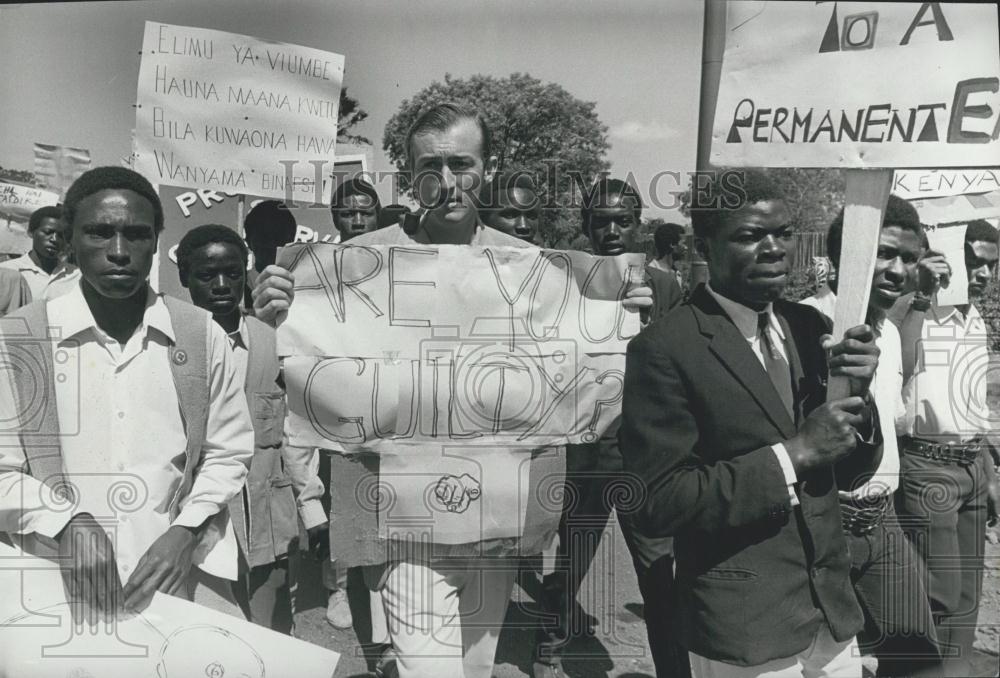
[
  {"x": 234, "y": 113},
  {"x": 858, "y": 84},
  {"x": 941, "y": 183},
  {"x": 172, "y": 637},
  {"x": 59, "y": 166},
  {"x": 479, "y": 346}
]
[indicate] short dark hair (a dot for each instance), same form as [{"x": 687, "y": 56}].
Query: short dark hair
[
  {"x": 898, "y": 212},
  {"x": 392, "y": 214},
  {"x": 666, "y": 237},
  {"x": 204, "y": 235},
  {"x": 504, "y": 182},
  {"x": 354, "y": 186},
  {"x": 272, "y": 217},
  {"x": 727, "y": 191},
  {"x": 109, "y": 178},
  {"x": 600, "y": 194},
  {"x": 440, "y": 117},
  {"x": 43, "y": 213},
  {"x": 980, "y": 230}
]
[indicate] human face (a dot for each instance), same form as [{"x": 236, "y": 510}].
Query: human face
[
  {"x": 981, "y": 264},
  {"x": 898, "y": 253},
  {"x": 49, "y": 239},
  {"x": 114, "y": 239},
  {"x": 748, "y": 257},
  {"x": 355, "y": 217},
  {"x": 613, "y": 227},
  {"x": 215, "y": 278},
  {"x": 448, "y": 172},
  {"x": 516, "y": 214}
]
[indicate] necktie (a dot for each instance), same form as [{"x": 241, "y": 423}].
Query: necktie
[{"x": 775, "y": 364}]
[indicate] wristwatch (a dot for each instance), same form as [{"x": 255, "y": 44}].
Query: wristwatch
[{"x": 921, "y": 302}]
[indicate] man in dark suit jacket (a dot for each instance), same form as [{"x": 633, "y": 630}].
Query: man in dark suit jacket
[{"x": 723, "y": 417}]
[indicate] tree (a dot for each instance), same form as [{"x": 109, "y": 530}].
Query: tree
[
  {"x": 24, "y": 176},
  {"x": 814, "y": 196},
  {"x": 350, "y": 114},
  {"x": 537, "y": 127}
]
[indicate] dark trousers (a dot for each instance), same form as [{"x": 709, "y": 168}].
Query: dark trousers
[
  {"x": 595, "y": 484},
  {"x": 890, "y": 582},
  {"x": 264, "y": 593},
  {"x": 943, "y": 506}
]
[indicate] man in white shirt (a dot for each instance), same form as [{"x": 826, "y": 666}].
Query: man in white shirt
[
  {"x": 886, "y": 572},
  {"x": 144, "y": 514},
  {"x": 445, "y": 603},
  {"x": 212, "y": 263},
  {"x": 945, "y": 461},
  {"x": 44, "y": 267}
]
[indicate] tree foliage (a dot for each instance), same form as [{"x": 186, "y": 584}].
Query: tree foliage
[
  {"x": 24, "y": 176},
  {"x": 537, "y": 127},
  {"x": 349, "y": 114}
]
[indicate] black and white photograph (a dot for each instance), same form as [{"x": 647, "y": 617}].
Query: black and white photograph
[{"x": 510, "y": 338}]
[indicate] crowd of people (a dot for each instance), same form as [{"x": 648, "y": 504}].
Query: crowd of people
[{"x": 778, "y": 533}]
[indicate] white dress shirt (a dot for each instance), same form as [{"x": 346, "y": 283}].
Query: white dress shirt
[
  {"x": 745, "y": 320},
  {"x": 44, "y": 285},
  {"x": 887, "y": 392},
  {"x": 945, "y": 396},
  {"x": 123, "y": 441},
  {"x": 824, "y": 301}
]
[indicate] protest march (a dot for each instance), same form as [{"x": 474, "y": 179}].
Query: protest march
[{"x": 333, "y": 335}]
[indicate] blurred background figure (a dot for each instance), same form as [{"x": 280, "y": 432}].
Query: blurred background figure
[
  {"x": 510, "y": 204},
  {"x": 355, "y": 208},
  {"x": 670, "y": 248},
  {"x": 267, "y": 226},
  {"x": 44, "y": 267},
  {"x": 393, "y": 215}
]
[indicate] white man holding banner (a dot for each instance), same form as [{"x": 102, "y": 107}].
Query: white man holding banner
[{"x": 445, "y": 594}]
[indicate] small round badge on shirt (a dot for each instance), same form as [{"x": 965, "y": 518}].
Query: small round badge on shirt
[{"x": 180, "y": 357}]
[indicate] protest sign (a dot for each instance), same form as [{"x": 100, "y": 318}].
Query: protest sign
[
  {"x": 861, "y": 84},
  {"x": 950, "y": 241},
  {"x": 956, "y": 208},
  {"x": 949, "y": 196},
  {"x": 59, "y": 166},
  {"x": 485, "y": 346},
  {"x": 184, "y": 209},
  {"x": 230, "y": 112},
  {"x": 17, "y": 202},
  {"x": 942, "y": 183},
  {"x": 170, "y": 638}
]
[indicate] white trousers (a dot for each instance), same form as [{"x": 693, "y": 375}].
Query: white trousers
[
  {"x": 445, "y": 616},
  {"x": 824, "y": 658}
]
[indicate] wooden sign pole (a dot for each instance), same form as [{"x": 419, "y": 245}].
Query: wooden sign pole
[{"x": 867, "y": 192}]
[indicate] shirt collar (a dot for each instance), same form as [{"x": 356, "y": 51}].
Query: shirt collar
[
  {"x": 240, "y": 336},
  {"x": 72, "y": 314},
  {"x": 26, "y": 263},
  {"x": 745, "y": 318},
  {"x": 943, "y": 314}
]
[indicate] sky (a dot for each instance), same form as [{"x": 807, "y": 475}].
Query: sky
[{"x": 71, "y": 68}]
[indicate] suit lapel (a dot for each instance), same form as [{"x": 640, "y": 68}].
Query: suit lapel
[{"x": 733, "y": 351}]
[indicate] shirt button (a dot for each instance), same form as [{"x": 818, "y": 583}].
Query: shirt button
[{"x": 121, "y": 415}]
